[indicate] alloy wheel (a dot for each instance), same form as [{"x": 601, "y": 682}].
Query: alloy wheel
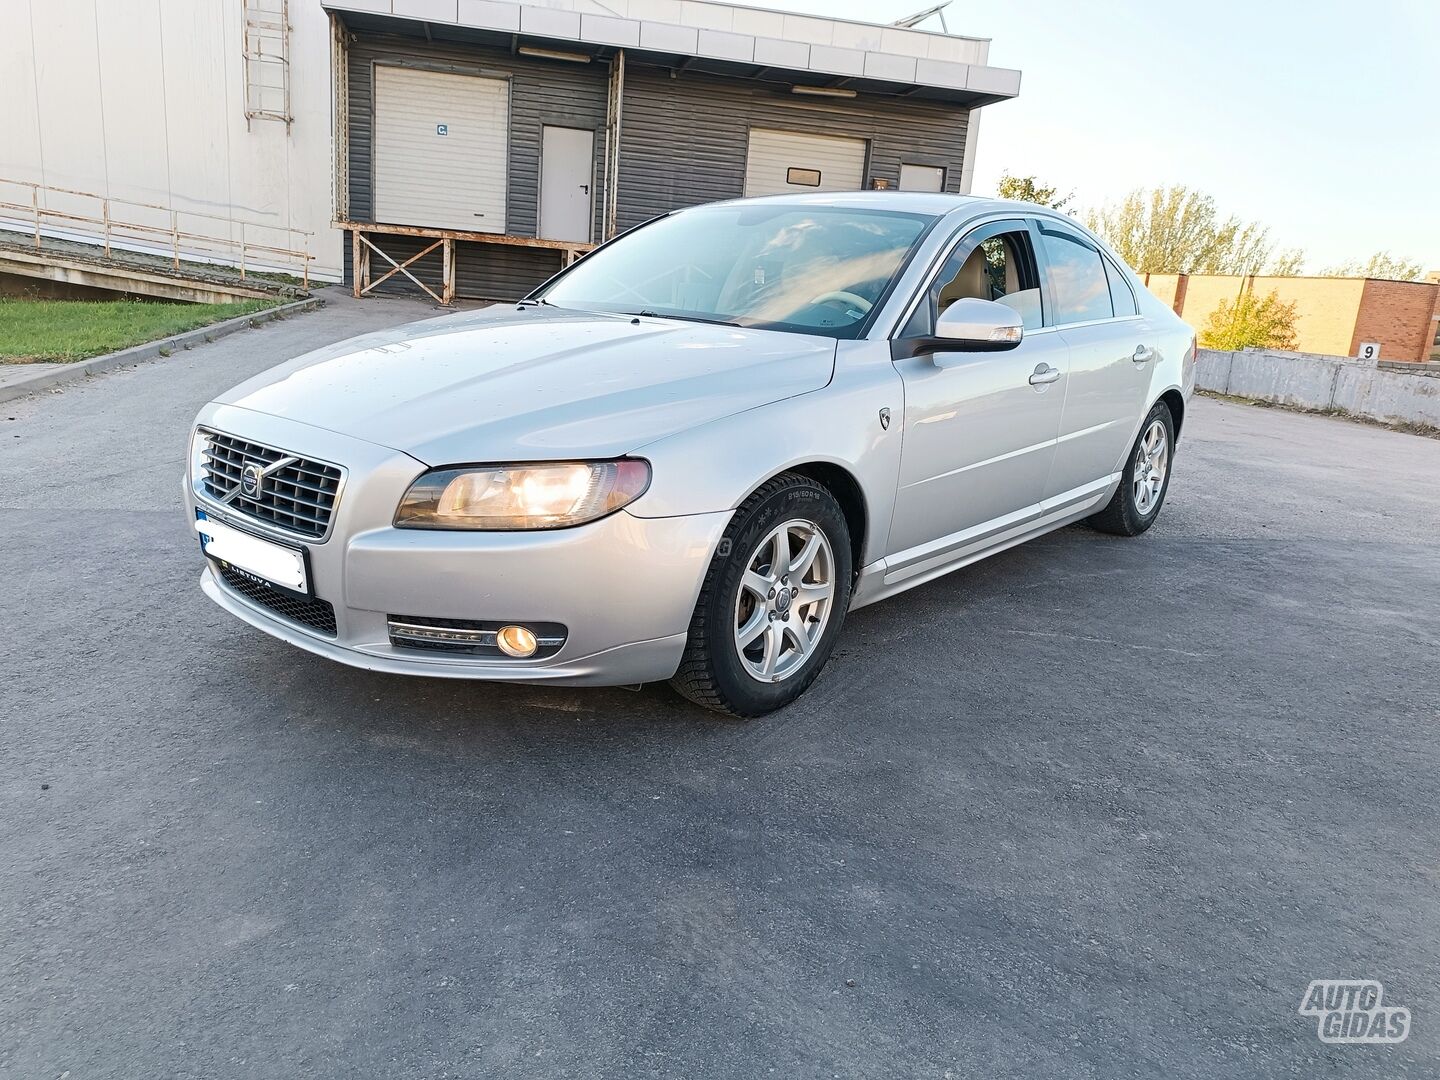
[
  {"x": 786, "y": 596},
  {"x": 1152, "y": 463}
]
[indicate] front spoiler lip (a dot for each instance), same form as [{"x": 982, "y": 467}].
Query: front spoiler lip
[{"x": 635, "y": 662}]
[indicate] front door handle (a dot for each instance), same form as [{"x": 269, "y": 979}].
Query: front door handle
[
  {"x": 1143, "y": 354},
  {"x": 1044, "y": 373}
]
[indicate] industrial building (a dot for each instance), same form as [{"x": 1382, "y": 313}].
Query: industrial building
[{"x": 469, "y": 147}]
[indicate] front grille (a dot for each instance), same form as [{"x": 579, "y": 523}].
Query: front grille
[
  {"x": 315, "y": 613},
  {"x": 297, "y": 496}
]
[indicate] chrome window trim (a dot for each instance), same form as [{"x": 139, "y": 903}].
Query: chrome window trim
[{"x": 1089, "y": 322}]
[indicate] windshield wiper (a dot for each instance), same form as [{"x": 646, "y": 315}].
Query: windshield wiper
[
  {"x": 685, "y": 318},
  {"x": 535, "y": 300}
]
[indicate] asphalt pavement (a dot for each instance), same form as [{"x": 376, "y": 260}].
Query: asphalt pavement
[{"x": 1091, "y": 808}]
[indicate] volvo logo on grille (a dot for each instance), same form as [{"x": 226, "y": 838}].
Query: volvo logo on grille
[{"x": 251, "y": 477}]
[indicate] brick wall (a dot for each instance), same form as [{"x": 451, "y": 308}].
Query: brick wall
[
  {"x": 1333, "y": 315},
  {"x": 1399, "y": 315}
]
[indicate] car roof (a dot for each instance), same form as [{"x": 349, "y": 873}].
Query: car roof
[{"x": 936, "y": 204}]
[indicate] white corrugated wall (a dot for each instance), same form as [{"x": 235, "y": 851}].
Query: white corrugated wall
[{"x": 144, "y": 102}]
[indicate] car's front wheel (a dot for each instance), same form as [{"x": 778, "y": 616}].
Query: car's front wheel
[
  {"x": 1136, "y": 503},
  {"x": 773, "y": 601}
]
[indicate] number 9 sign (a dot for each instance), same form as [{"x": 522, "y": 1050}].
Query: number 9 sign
[{"x": 1369, "y": 350}]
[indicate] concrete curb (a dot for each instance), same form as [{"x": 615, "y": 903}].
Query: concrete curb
[
  {"x": 151, "y": 350},
  {"x": 1325, "y": 384}
]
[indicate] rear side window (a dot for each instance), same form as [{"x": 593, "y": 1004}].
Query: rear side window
[
  {"x": 1077, "y": 277},
  {"x": 1121, "y": 296}
]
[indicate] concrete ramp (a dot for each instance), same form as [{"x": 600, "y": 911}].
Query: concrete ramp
[{"x": 71, "y": 263}]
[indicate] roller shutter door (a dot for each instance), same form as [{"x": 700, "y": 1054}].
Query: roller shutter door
[
  {"x": 781, "y": 162},
  {"x": 440, "y": 149}
]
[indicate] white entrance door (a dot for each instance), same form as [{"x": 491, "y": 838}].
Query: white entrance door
[
  {"x": 441, "y": 142},
  {"x": 789, "y": 161},
  {"x": 567, "y": 170}
]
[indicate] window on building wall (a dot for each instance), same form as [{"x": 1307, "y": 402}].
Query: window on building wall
[{"x": 803, "y": 177}]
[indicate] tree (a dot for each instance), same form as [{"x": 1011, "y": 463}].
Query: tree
[
  {"x": 1289, "y": 263},
  {"x": 1030, "y": 189},
  {"x": 1380, "y": 265},
  {"x": 1250, "y": 321},
  {"x": 1174, "y": 230}
]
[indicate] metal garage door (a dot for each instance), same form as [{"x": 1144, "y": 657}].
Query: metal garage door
[
  {"x": 440, "y": 149},
  {"x": 787, "y": 161}
]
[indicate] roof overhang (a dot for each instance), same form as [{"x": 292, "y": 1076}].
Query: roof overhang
[{"x": 775, "y": 61}]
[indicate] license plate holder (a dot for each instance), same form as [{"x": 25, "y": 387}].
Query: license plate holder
[{"x": 281, "y": 567}]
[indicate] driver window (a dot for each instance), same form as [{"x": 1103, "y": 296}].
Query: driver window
[{"x": 1000, "y": 267}]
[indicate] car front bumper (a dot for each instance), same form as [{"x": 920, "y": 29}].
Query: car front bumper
[{"x": 624, "y": 587}]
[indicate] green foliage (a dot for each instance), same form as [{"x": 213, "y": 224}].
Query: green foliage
[
  {"x": 1380, "y": 265},
  {"x": 1030, "y": 189},
  {"x": 63, "y": 331},
  {"x": 1250, "y": 321},
  {"x": 1289, "y": 263},
  {"x": 1175, "y": 230}
]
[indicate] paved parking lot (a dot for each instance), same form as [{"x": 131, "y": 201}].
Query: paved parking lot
[{"x": 1093, "y": 808}]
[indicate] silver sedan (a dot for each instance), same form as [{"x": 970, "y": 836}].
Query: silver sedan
[{"x": 691, "y": 453}]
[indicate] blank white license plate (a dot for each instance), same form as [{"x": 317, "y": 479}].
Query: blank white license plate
[{"x": 274, "y": 563}]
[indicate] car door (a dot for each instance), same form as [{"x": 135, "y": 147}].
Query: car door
[
  {"x": 1112, "y": 352},
  {"x": 980, "y": 427}
]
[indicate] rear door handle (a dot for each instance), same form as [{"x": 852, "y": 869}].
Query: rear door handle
[
  {"x": 1044, "y": 373},
  {"x": 1143, "y": 354}
]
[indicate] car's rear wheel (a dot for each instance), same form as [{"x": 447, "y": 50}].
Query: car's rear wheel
[
  {"x": 773, "y": 601},
  {"x": 1136, "y": 503}
]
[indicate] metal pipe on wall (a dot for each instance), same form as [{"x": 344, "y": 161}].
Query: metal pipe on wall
[
  {"x": 613, "y": 109},
  {"x": 340, "y": 116}
]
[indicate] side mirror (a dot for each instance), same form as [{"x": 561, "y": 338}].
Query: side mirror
[{"x": 973, "y": 325}]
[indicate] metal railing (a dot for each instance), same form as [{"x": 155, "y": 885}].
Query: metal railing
[{"x": 149, "y": 228}]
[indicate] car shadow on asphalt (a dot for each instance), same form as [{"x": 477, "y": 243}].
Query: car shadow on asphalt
[{"x": 871, "y": 668}]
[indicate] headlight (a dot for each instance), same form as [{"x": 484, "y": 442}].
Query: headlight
[
  {"x": 548, "y": 496},
  {"x": 199, "y": 443}
]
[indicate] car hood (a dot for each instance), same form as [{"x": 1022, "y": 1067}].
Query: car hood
[{"x": 534, "y": 383}]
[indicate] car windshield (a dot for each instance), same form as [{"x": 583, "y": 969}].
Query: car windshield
[{"x": 806, "y": 269}]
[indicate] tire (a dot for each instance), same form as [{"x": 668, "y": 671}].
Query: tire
[
  {"x": 1130, "y": 512},
  {"x": 719, "y": 673}
]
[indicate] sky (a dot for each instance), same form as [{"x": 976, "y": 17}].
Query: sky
[{"x": 1318, "y": 118}]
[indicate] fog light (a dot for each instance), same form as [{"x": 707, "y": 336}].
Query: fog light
[{"x": 516, "y": 641}]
